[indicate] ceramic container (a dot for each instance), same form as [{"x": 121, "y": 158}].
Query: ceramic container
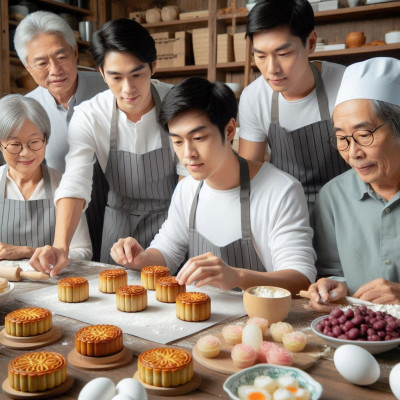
[
  {"x": 153, "y": 15},
  {"x": 355, "y": 39},
  {"x": 169, "y": 13},
  {"x": 392, "y": 37},
  {"x": 248, "y": 375},
  {"x": 353, "y": 3},
  {"x": 273, "y": 309}
]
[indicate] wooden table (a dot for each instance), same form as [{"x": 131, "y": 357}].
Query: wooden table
[{"x": 323, "y": 370}]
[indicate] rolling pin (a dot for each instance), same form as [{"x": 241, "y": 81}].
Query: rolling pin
[{"x": 16, "y": 274}]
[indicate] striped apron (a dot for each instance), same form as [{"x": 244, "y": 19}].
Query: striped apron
[
  {"x": 27, "y": 223},
  {"x": 240, "y": 253},
  {"x": 141, "y": 187},
  {"x": 305, "y": 152}
]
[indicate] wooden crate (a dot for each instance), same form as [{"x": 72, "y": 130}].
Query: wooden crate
[
  {"x": 194, "y": 14},
  {"x": 174, "y": 52},
  {"x": 200, "y": 46},
  {"x": 239, "y": 46},
  {"x": 225, "y": 48},
  {"x": 162, "y": 35}
]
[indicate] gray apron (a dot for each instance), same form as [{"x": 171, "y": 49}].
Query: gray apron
[
  {"x": 240, "y": 253},
  {"x": 27, "y": 222},
  {"x": 305, "y": 152},
  {"x": 141, "y": 187}
]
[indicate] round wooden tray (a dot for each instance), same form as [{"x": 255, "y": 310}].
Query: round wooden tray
[
  {"x": 17, "y": 394},
  {"x": 171, "y": 391},
  {"x": 117, "y": 360},
  {"x": 30, "y": 342},
  {"x": 223, "y": 362}
]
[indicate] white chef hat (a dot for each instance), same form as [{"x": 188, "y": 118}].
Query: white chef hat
[{"x": 375, "y": 79}]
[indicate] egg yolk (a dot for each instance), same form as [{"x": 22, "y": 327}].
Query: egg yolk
[
  {"x": 292, "y": 389},
  {"x": 256, "y": 396}
]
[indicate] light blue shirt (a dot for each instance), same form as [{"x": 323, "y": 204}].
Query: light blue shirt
[{"x": 356, "y": 232}]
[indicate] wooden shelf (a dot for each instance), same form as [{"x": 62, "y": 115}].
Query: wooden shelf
[
  {"x": 178, "y": 23},
  {"x": 181, "y": 71},
  {"x": 358, "y": 53},
  {"x": 231, "y": 66},
  {"x": 63, "y": 6},
  {"x": 359, "y": 12},
  {"x": 240, "y": 18}
]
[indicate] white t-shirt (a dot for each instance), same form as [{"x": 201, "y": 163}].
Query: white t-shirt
[
  {"x": 81, "y": 246},
  {"x": 89, "y": 136},
  {"x": 255, "y": 105},
  {"x": 89, "y": 84},
  {"x": 280, "y": 228}
]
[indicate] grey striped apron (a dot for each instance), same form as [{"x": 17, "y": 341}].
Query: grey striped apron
[
  {"x": 305, "y": 152},
  {"x": 27, "y": 223},
  {"x": 240, "y": 253},
  {"x": 141, "y": 187}
]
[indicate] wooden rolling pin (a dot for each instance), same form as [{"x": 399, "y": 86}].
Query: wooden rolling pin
[{"x": 16, "y": 274}]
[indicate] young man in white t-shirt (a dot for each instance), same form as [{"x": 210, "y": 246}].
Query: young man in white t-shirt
[
  {"x": 242, "y": 223},
  {"x": 289, "y": 107}
]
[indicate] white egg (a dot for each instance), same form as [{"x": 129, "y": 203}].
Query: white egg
[
  {"x": 356, "y": 364},
  {"x": 123, "y": 397},
  {"x": 394, "y": 381},
  {"x": 133, "y": 388},
  {"x": 252, "y": 335},
  {"x": 98, "y": 389}
]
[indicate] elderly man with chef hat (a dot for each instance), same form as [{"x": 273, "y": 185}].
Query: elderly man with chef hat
[{"x": 357, "y": 214}]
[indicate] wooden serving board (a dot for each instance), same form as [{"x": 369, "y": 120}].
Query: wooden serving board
[
  {"x": 223, "y": 362},
  {"x": 30, "y": 342},
  {"x": 171, "y": 391},
  {"x": 47, "y": 394},
  {"x": 117, "y": 360}
]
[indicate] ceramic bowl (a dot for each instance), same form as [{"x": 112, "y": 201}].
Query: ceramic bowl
[
  {"x": 372, "y": 347},
  {"x": 6, "y": 294},
  {"x": 247, "y": 376},
  {"x": 392, "y": 37},
  {"x": 274, "y": 309}
]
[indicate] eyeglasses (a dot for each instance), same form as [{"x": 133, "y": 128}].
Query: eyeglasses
[
  {"x": 362, "y": 137},
  {"x": 60, "y": 59},
  {"x": 16, "y": 148}
]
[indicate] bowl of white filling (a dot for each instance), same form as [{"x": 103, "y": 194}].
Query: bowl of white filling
[{"x": 269, "y": 302}]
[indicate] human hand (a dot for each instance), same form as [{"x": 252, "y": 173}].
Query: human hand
[
  {"x": 208, "y": 269},
  {"x": 325, "y": 291},
  {"x": 11, "y": 252},
  {"x": 128, "y": 252},
  {"x": 45, "y": 257},
  {"x": 379, "y": 291}
]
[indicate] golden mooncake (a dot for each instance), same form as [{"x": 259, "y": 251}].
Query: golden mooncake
[
  {"x": 132, "y": 298},
  {"x": 99, "y": 340},
  {"x": 30, "y": 321},
  {"x": 73, "y": 290},
  {"x": 37, "y": 372},
  {"x": 165, "y": 367},
  {"x": 167, "y": 288},
  {"x": 149, "y": 275},
  {"x": 193, "y": 306},
  {"x": 112, "y": 279}
]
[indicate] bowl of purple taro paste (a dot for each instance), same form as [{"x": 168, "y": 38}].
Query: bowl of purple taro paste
[{"x": 375, "y": 331}]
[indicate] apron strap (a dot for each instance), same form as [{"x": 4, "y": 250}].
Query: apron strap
[
  {"x": 157, "y": 104},
  {"x": 244, "y": 200},
  {"x": 3, "y": 182},
  {"x": 46, "y": 181},
  {"x": 322, "y": 99},
  {"x": 321, "y": 94}
]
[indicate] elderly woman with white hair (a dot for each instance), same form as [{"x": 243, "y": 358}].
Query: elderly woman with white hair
[
  {"x": 357, "y": 215},
  {"x": 27, "y": 185}
]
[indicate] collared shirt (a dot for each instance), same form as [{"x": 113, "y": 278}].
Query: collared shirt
[
  {"x": 356, "y": 232},
  {"x": 89, "y": 137},
  {"x": 89, "y": 84}
]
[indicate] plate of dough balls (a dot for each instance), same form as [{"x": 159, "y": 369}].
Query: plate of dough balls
[{"x": 242, "y": 346}]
